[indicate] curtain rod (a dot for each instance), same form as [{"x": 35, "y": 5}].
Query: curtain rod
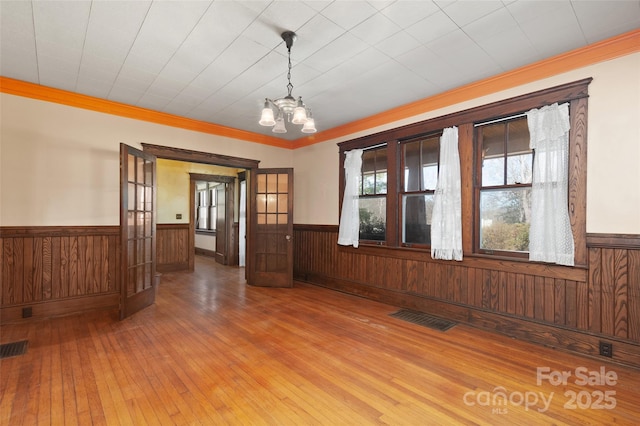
[
  {"x": 510, "y": 117},
  {"x": 374, "y": 146},
  {"x": 498, "y": 120}
]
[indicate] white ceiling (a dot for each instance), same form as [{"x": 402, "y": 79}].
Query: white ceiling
[{"x": 216, "y": 61}]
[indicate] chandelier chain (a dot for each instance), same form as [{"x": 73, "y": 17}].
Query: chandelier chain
[{"x": 289, "y": 86}]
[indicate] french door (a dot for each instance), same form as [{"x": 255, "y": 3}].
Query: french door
[
  {"x": 270, "y": 257},
  {"x": 138, "y": 230}
]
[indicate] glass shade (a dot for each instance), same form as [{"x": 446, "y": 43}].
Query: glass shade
[
  {"x": 309, "y": 126},
  {"x": 266, "y": 119},
  {"x": 299, "y": 113},
  {"x": 279, "y": 125}
]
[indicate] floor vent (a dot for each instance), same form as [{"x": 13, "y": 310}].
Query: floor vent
[
  {"x": 8, "y": 350},
  {"x": 423, "y": 319}
]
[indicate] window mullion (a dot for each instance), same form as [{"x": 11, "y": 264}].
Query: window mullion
[
  {"x": 419, "y": 168},
  {"x": 393, "y": 187},
  {"x": 505, "y": 153}
]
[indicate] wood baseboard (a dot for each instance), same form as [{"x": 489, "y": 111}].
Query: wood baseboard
[
  {"x": 560, "y": 338},
  {"x": 56, "y": 308},
  {"x": 205, "y": 252},
  {"x": 172, "y": 267}
]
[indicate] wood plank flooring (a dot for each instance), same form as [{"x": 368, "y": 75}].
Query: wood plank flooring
[{"x": 215, "y": 351}]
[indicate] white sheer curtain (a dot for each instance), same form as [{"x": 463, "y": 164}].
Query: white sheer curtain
[
  {"x": 446, "y": 223},
  {"x": 349, "y": 231},
  {"x": 550, "y": 237}
]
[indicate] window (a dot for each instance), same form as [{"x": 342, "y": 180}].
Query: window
[
  {"x": 505, "y": 172},
  {"x": 206, "y": 206},
  {"x": 420, "y": 165},
  {"x": 401, "y": 165},
  {"x": 373, "y": 191}
]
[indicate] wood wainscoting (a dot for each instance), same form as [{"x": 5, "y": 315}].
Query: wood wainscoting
[
  {"x": 573, "y": 309},
  {"x": 49, "y": 270},
  {"x": 174, "y": 247}
]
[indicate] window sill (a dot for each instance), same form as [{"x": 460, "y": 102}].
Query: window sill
[{"x": 474, "y": 260}]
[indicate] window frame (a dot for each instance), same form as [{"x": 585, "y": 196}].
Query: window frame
[
  {"x": 402, "y": 192},
  {"x": 575, "y": 93},
  {"x": 208, "y": 193},
  {"x": 488, "y": 188},
  {"x": 375, "y": 194}
]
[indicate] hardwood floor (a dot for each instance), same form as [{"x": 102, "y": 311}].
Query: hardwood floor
[{"x": 214, "y": 351}]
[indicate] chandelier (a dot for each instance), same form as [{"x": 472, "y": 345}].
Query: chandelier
[{"x": 296, "y": 112}]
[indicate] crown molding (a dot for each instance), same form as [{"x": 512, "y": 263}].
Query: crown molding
[{"x": 612, "y": 48}]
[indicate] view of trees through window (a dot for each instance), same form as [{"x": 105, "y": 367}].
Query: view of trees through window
[
  {"x": 400, "y": 170},
  {"x": 420, "y": 161},
  {"x": 373, "y": 194},
  {"x": 505, "y": 194}
]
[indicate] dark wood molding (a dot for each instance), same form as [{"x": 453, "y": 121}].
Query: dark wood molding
[
  {"x": 563, "y": 93},
  {"x": 163, "y": 226},
  {"x": 172, "y": 267},
  {"x": 192, "y": 225},
  {"x": 180, "y": 154},
  {"x": 54, "y": 263},
  {"x": 205, "y": 252},
  {"x": 56, "y": 231},
  {"x": 173, "y": 246},
  {"x": 202, "y": 177},
  {"x": 577, "y": 184},
  {"x": 234, "y": 244},
  {"x": 47, "y": 309},
  {"x": 623, "y": 241},
  {"x": 321, "y": 228},
  {"x": 487, "y": 262}
]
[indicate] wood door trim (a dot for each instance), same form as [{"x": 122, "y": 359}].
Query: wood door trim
[
  {"x": 188, "y": 155},
  {"x": 56, "y": 231},
  {"x": 230, "y": 191},
  {"x": 192, "y": 225},
  {"x": 170, "y": 153},
  {"x": 201, "y": 177}
]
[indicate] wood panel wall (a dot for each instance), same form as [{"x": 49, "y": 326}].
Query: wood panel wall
[
  {"x": 57, "y": 270},
  {"x": 565, "y": 307},
  {"x": 173, "y": 247}
]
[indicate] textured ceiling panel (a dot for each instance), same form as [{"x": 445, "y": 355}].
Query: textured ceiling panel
[{"x": 218, "y": 60}]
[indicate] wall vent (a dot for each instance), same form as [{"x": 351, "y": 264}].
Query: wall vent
[
  {"x": 423, "y": 319},
  {"x": 8, "y": 350}
]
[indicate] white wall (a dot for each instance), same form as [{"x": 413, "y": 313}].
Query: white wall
[
  {"x": 613, "y": 156},
  {"x": 207, "y": 242},
  {"x": 174, "y": 185},
  {"x": 60, "y": 165}
]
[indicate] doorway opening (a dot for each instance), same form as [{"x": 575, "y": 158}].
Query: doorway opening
[
  {"x": 215, "y": 215},
  {"x": 181, "y": 216}
]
